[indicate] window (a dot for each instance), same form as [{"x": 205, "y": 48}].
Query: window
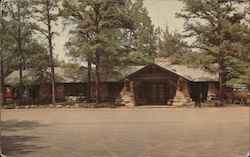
[{"x": 75, "y": 89}]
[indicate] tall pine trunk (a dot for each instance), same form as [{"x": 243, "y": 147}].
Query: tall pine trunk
[
  {"x": 19, "y": 40},
  {"x": 89, "y": 80},
  {"x": 21, "y": 89},
  {"x": 21, "y": 77},
  {"x": 52, "y": 72},
  {"x": 2, "y": 86},
  {"x": 97, "y": 81},
  {"x": 51, "y": 56},
  {"x": 221, "y": 77}
]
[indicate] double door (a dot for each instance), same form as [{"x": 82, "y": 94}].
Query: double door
[{"x": 153, "y": 93}]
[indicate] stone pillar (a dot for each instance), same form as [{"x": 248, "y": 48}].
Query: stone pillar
[
  {"x": 182, "y": 96},
  {"x": 212, "y": 91},
  {"x": 185, "y": 89},
  {"x": 127, "y": 96}
]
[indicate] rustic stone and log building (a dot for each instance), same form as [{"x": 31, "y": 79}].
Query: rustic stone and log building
[{"x": 159, "y": 83}]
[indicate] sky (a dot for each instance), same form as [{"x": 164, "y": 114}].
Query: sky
[{"x": 161, "y": 12}]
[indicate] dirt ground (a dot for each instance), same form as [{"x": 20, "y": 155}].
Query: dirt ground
[{"x": 122, "y": 132}]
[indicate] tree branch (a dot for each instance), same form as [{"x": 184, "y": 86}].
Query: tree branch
[{"x": 206, "y": 49}]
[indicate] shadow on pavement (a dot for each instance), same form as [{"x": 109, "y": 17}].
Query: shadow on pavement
[
  {"x": 15, "y": 125},
  {"x": 15, "y": 145}
]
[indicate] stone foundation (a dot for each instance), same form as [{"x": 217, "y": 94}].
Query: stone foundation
[
  {"x": 212, "y": 92},
  {"x": 126, "y": 97},
  {"x": 180, "y": 99},
  {"x": 182, "y": 96}
]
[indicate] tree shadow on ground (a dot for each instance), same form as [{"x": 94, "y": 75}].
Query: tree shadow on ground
[
  {"x": 16, "y": 145},
  {"x": 15, "y": 125}
]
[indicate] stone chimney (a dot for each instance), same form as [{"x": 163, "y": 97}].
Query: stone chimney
[{"x": 163, "y": 61}]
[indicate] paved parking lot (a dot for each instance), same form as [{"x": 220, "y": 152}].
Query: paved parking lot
[{"x": 121, "y": 132}]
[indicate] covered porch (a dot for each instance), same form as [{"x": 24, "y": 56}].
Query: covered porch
[
  {"x": 154, "y": 92},
  {"x": 151, "y": 85},
  {"x": 155, "y": 85}
]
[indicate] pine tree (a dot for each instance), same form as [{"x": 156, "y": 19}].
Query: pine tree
[
  {"x": 92, "y": 19},
  {"x": 2, "y": 34},
  {"x": 78, "y": 51},
  {"x": 37, "y": 62},
  {"x": 45, "y": 12},
  {"x": 20, "y": 29},
  {"x": 172, "y": 46},
  {"x": 217, "y": 28},
  {"x": 247, "y": 11},
  {"x": 137, "y": 46}
]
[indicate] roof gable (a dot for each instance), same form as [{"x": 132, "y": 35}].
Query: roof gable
[{"x": 152, "y": 70}]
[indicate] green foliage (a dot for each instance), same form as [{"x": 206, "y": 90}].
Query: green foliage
[
  {"x": 74, "y": 71},
  {"x": 37, "y": 62},
  {"x": 247, "y": 12},
  {"x": 220, "y": 32},
  {"x": 233, "y": 71},
  {"x": 45, "y": 12},
  {"x": 212, "y": 23},
  {"x": 170, "y": 45},
  {"x": 19, "y": 45},
  {"x": 137, "y": 45},
  {"x": 93, "y": 20},
  {"x": 17, "y": 33},
  {"x": 9, "y": 56},
  {"x": 126, "y": 37},
  {"x": 17, "y": 19}
]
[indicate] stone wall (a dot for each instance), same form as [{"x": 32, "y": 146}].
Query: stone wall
[
  {"x": 185, "y": 89},
  {"x": 212, "y": 91},
  {"x": 127, "y": 97},
  {"x": 182, "y": 96}
]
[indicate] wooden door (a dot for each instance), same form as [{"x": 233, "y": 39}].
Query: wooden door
[
  {"x": 152, "y": 93},
  {"x": 156, "y": 93}
]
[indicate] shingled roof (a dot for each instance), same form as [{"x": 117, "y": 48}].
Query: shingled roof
[
  {"x": 61, "y": 75},
  {"x": 191, "y": 74},
  {"x": 117, "y": 74}
]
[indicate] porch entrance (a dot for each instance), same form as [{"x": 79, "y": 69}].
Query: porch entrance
[{"x": 152, "y": 93}]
